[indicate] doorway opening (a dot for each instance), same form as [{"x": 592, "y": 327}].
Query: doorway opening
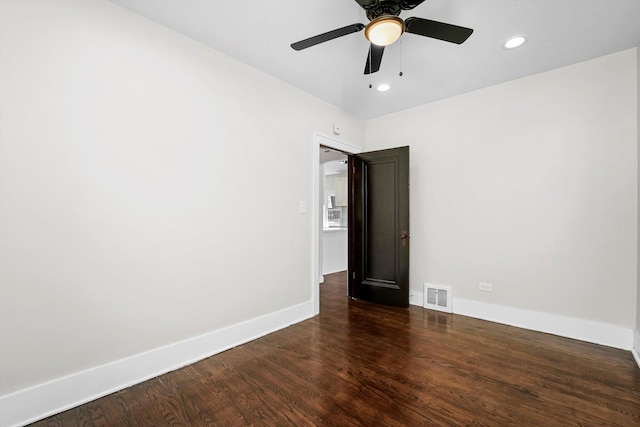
[
  {"x": 333, "y": 192},
  {"x": 340, "y": 150}
]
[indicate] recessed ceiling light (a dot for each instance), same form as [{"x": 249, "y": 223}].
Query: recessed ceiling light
[
  {"x": 514, "y": 42},
  {"x": 383, "y": 87}
]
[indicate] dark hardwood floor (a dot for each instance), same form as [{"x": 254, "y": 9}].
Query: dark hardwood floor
[{"x": 362, "y": 364}]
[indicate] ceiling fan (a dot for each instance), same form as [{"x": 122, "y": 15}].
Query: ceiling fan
[{"x": 385, "y": 27}]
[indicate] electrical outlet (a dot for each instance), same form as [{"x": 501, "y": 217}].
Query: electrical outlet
[{"x": 485, "y": 287}]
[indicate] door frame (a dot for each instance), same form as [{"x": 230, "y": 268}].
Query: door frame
[{"x": 316, "y": 236}]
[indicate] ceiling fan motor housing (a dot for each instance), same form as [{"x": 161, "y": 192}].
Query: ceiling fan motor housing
[
  {"x": 384, "y": 8},
  {"x": 410, "y": 4},
  {"x": 377, "y": 8}
]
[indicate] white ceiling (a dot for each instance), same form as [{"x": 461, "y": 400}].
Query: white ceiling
[
  {"x": 259, "y": 33},
  {"x": 330, "y": 155},
  {"x": 335, "y": 167}
]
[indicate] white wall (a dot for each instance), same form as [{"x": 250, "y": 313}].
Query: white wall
[
  {"x": 136, "y": 206},
  {"x": 531, "y": 186}
]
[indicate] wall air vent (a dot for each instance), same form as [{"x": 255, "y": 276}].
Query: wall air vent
[{"x": 438, "y": 297}]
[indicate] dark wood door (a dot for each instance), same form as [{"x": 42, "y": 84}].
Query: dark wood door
[{"x": 379, "y": 226}]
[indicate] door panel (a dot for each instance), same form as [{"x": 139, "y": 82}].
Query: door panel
[{"x": 379, "y": 226}]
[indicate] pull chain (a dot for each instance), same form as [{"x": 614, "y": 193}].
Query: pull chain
[
  {"x": 370, "y": 53},
  {"x": 401, "y": 62}
]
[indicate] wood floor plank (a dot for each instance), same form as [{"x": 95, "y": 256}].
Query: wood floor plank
[
  {"x": 358, "y": 364},
  {"x": 134, "y": 414},
  {"x": 211, "y": 394}
]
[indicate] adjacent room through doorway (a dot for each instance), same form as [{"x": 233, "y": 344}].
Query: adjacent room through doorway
[{"x": 334, "y": 212}]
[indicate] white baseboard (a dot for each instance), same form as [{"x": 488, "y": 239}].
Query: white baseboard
[
  {"x": 38, "y": 402},
  {"x": 580, "y": 329},
  {"x": 416, "y": 298},
  {"x": 636, "y": 346}
]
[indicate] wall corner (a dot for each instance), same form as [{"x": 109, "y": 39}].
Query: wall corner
[
  {"x": 636, "y": 346},
  {"x": 636, "y": 335}
]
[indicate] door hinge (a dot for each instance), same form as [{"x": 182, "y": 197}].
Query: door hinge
[
  {"x": 404, "y": 237},
  {"x": 354, "y": 169},
  {"x": 353, "y": 275}
]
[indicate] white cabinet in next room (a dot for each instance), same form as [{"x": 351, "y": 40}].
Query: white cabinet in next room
[{"x": 341, "y": 191}]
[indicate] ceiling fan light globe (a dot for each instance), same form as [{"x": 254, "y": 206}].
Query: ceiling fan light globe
[{"x": 384, "y": 30}]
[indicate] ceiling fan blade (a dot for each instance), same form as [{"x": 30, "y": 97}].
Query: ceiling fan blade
[
  {"x": 437, "y": 30},
  {"x": 325, "y": 37},
  {"x": 374, "y": 59}
]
